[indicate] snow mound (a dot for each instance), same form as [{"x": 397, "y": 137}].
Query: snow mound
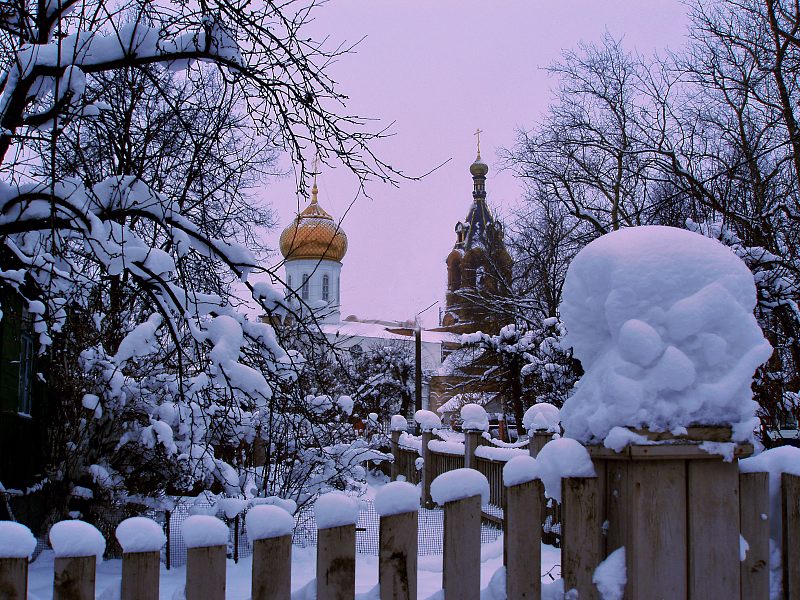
[
  {"x": 286, "y": 504},
  {"x": 335, "y": 509},
  {"x": 427, "y": 420},
  {"x": 474, "y": 417},
  {"x": 232, "y": 507},
  {"x": 459, "y": 484},
  {"x": 620, "y": 437},
  {"x": 540, "y": 417},
  {"x": 611, "y": 575},
  {"x": 520, "y": 469},
  {"x": 399, "y": 423},
  {"x": 140, "y": 534},
  {"x": 201, "y": 531},
  {"x": 396, "y": 497},
  {"x": 266, "y": 521},
  {"x": 662, "y": 322},
  {"x": 562, "y": 458},
  {"x": 76, "y": 538},
  {"x": 16, "y": 540}
]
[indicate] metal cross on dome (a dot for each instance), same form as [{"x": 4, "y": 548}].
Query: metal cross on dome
[{"x": 478, "y": 133}]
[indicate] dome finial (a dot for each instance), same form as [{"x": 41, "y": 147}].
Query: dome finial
[
  {"x": 314, "y": 188},
  {"x": 478, "y": 134}
]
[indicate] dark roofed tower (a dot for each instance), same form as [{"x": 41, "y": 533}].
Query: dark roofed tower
[{"x": 479, "y": 266}]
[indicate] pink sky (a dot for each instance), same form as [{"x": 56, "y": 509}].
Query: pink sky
[{"x": 441, "y": 69}]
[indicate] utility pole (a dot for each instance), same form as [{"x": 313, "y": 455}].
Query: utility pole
[{"x": 418, "y": 371}]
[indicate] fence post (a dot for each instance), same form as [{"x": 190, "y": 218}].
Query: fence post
[
  {"x": 427, "y": 470},
  {"x": 74, "y": 577},
  {"x": 14, "y": 578},
  {"x": 471, "y": 439},
  {"x": 205, "y": 573},
  {"x": 140, "y": 575},
  {"x": 753, "y": 510},
  {"x": 537, "y": 441},
  {"x": 272, "y": 568},
  {"x": 582, "y": 547},
  {"x": 396, "y": 455},
  {"x": 397, "y": 568},
  {"x": 790, "y": 513},
  {"x": 336, "y": 563},
  {"x": 522, "y": 541},
  {"x": 461, "y": 577}
]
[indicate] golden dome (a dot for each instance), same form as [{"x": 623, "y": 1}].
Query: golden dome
[
  {"x": 313, "y": 234},
  {"x": 479, "y": 168}
]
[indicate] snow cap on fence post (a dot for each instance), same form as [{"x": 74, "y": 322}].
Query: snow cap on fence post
[
  {"x": 201, "y": 531},
  {"x": 542, "y": 417},
  {"x": 399, "y": 423},
  {"x": 395, "y": 498},
  {"x": 560, "y": 459},
  {"x": 71, "y": 539},
  {"x": 336, "y": 509},
  {"x": 16, "y": 540},
  {"x": 459, "y": 484},
  {"x": 474, "y": 418},
  {"x": 518, "y": 470},
  {"x": 140, "y": 534},
  {"x": 265, "y": 521},
  {"x": 427, "y": 420},
  {"x": 662, "y": 321}
]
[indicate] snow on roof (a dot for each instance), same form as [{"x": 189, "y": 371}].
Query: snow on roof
[
  {"x": 456, "y": 402},
  {"x": 385, "y": 330}
]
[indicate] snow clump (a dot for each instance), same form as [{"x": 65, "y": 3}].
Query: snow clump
[
  {"x": 459, "y": 484},
  {"x": 16, "y": 540},
  {"x": 610, "y": 576},
  {"x": 562, "y": 458},
  {"x": 620, "y": 437},
  {"x": 76, "y": 538},
  {"x": 268, "y": 521},
  {"x": 399, "y": 423},
  {"x": 542, "y": 416},
  {"x": 474, "y": 417},
  {"x": 335, "y": 509},
  {"x": 232, "y": 506},
  {"x": 140, "y": 534},
  {"x": 201, "y": 531},
  {"x": 520, "y": 469},
  {"x": 396, "y": 497},
  {"x": 427, "y": 420},
  {"x": 662, "y": 322}
]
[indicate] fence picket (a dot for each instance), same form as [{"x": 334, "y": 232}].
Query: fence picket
[
  {"x": 336, "y": 563},
  {"x": 582, "y": 534},
  {"x": 522, "y": 549},
  {"x": 140, "y": 575},
  {"x": 14, "y": 578},
  {"x": 754, "y": 508},
  {"x": 205, "y": 573},
  {"x": 790, "y": 513},
  {"x": 74, "y": 578},
  {"x": 397, "y": 567},
  {"x": 461, "y": 577},
  {"x": 272, "y": 568}
]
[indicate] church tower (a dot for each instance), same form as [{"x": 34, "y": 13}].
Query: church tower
[
  {"x": 479, "y": 266},
  {"x": 313, "y": 247}
]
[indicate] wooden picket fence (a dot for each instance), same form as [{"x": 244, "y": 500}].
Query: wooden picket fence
[{"x": 74, "y": 577}]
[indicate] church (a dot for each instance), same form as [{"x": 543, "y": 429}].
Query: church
[{"x": 314, "y": 245}]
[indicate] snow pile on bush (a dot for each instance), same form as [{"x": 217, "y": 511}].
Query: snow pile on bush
[
  {"x": 399, "y": 423},
  {"x": 662, "y": 322},
  {"x": 16, "y": 540},
  {"x": 201, "y": 531},
  {"x": 542, "y": 417},
  {"x": 520, "y": 469},
  {"x": 267, "y": 521},
  {"x": 335, "y": 509},
  {"x": 286, "y": 504},
  {"x": 611, "y": 575},
  {"x": 427, "y": 420},
  {"x": 396, "y": 497},
  {"x": 140, "y": 534},
  {"x": 232, "y": 507},
  {"x": 562, "y": 458},
  {"x": 474, "y": 417},
  {"x": 459, "y": 484},
  {"x": 76, "y": 538}
]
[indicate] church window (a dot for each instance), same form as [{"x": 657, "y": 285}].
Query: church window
[
  {"x": 289, "y": 282},
  {"x": 304, "y": 292},
  {"x": 325, "y": 287},
  {"x": 338, "y": 291}
]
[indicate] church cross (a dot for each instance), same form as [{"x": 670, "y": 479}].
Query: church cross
[{"x": 478, "y": 133}]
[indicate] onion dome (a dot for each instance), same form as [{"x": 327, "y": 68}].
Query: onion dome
[
  {"x": 479, "y": 168},
  {"x": 313, "y": 234}
]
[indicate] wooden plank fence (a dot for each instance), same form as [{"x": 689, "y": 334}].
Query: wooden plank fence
[{"x": 584, "y": 546}]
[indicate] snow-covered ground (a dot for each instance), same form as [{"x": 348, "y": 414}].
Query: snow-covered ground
[{"x": 303, "y": 573}]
